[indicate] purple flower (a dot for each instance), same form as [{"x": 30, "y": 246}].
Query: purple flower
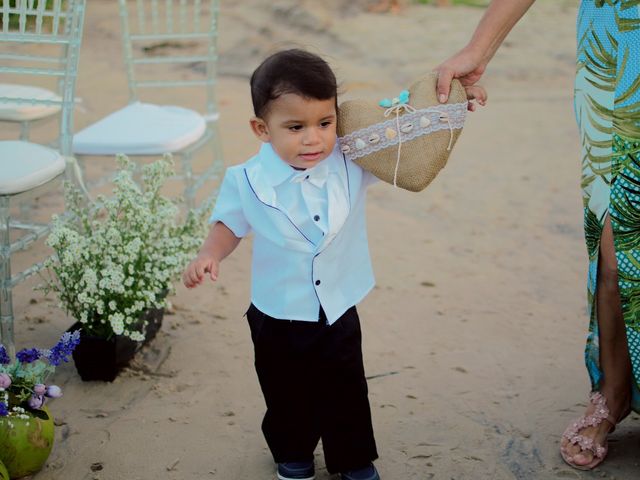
[
  {"x": 36, "y": 401},
  {"x": 28, "y": 355},
  {"x": 4, "y": 357},
  {"x": 61, "y": 351},
  {"x": 39, "y": 389},
  {"x": 5, "y": 380},
  {"x": 4, "y": 410},
  {"x": 53, "y": 391}
]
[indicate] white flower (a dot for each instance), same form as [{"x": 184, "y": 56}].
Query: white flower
[
  {"x": 119, "y": 256},
  {"x": 136, "y": 336},
  {"x": 117, "y": 323}
]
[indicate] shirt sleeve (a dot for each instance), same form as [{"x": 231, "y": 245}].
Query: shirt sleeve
[{"x": 228, "y": 208}]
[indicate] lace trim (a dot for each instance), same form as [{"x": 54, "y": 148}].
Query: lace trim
[{"x": 412, "y": 125}]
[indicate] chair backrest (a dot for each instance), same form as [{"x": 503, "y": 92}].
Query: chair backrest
[
  {"x": 40, "y": 41},
  {"x": 170, "y": 43}
]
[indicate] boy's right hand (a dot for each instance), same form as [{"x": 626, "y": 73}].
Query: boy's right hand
[{"x": 196, "y": 270}]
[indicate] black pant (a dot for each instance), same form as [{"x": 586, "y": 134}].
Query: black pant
[{"x": 313, "y": 382}]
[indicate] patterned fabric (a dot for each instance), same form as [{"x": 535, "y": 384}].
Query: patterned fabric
[{"x": 607, "y": 107}]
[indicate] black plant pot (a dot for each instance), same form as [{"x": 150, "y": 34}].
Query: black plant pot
[
  {"x": 98, "y": 358},
  {"x": 154, "y": 317}
]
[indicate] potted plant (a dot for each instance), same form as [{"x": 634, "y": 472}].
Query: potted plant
[
  {"x": 26, "y": 426},
  {"x": 115, "y": 261}
]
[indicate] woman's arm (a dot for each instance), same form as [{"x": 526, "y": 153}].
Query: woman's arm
[{"x": 469, "y": 64}]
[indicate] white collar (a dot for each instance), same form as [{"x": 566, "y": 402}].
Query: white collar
[
  {"x": 276, "y": 171},
  {"x": 316, "y": 175},
  {"x": 267, "y": 169}
]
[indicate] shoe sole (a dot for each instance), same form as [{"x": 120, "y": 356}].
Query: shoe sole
[
  {"x": 370, "y": 478},
  {"x": 585, "y": 468},
  {"x": 280, "y": 477}
]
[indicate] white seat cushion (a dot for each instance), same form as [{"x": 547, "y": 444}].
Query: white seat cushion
[
  {"x": 141, "y": 129},
  {"x": 20, "y": 112},
  {"x": 25, "y": 165}
]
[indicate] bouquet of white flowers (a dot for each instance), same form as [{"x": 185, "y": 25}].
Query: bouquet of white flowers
[{"x": 116, "y": 259}]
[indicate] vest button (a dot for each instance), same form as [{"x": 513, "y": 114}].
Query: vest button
[
  {"x": 318, "y": 282},
  {"x": 316, "y": 217}
]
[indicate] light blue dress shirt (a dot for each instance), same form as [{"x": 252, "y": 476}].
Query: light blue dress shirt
[{"x": 310, "y": 247}]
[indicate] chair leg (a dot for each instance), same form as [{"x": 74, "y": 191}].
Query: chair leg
[
  {"x": 6, "y": 304},
  {"x": 25, "y": 207},
  {"x": 187, "y": 171},
  {"x": 217, "y": 146},
  {"x": 24, "y": 131},
  {"x": 76, "y": 173},
  {"x": 25, "y": 211},
  {"x": 218, "y": 162}
]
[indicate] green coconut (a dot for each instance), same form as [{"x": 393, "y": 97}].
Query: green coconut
[
  {"x": 25, "y": 444},
  {"x": 4, "y": 475}
]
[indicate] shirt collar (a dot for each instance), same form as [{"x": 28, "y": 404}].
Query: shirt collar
[
  {"x": 316, "y": 175},
  {"x": 276, "y": 171}
]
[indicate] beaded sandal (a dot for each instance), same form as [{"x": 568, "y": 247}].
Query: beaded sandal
[{"x": 600, "y": 414}]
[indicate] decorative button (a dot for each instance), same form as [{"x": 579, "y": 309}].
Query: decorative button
[
  {"x": 406, "y": 128},
  {"x": 374, "y": 138},
  {"x": 424, "y": 122},
  {"x": 345, "y": 149},
  {"x": 360, "y": 144},
  {"x": 390, "y": 133},
  {"x": 318, "y": 282},
  {"x": 307, "y": 177},
  {"x": 316, "y": 217}
]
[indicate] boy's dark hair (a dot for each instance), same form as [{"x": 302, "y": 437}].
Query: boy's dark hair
[{"x": 291, "y": 71}]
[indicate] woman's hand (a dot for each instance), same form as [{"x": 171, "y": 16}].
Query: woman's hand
[
  {"x": 467, "y": 68},
  {"x": 469, "y": 64}
]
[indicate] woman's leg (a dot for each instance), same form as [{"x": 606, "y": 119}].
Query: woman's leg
[{"x": 614, "y": 352}]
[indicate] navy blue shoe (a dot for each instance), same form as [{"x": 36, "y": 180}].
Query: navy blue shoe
[
  {"x": 366, "y": 473},
  {"x": 296, "y": 471}
]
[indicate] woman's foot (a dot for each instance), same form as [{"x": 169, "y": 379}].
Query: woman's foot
[{"x": 584, "y": 443}]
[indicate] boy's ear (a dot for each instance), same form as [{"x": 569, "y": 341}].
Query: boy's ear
[{"x": 260, "y": 129}]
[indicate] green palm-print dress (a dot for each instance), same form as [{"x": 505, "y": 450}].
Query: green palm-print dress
[{"x": 607, "y": 106}]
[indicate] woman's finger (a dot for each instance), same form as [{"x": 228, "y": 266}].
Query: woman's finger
[{"x": 445, "y": 76}]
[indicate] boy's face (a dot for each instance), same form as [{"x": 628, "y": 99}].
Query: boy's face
[{"x": 301, "y": 130}]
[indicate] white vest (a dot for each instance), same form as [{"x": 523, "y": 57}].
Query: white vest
[{"x": 291, "y": 275}]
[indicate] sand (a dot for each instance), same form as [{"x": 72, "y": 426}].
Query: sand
[{"x": 473, "y": 336}]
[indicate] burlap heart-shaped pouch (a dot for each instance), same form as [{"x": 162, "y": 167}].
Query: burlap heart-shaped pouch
[{"x": 407, "y": 140}]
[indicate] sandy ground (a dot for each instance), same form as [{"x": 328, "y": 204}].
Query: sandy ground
[{"x": 474, "y": 334}]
